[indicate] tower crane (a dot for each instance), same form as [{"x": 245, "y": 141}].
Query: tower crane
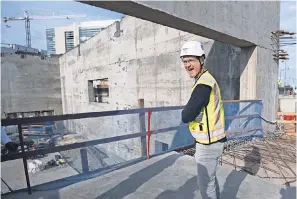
[{"x": 27, "y": 19}]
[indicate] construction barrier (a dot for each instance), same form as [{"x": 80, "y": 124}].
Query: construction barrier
[
  {"x": 149, "y": 131},
  {"x": 243, "y": 119}
]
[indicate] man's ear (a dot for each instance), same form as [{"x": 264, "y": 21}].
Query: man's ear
[{"x": 202, "y": 60}]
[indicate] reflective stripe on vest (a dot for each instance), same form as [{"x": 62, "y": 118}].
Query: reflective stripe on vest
[
  {"x": 203, "y": 138},
  {"x": 215, "y": 112}
]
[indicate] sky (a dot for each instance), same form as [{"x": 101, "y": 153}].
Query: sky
[
  {"x": 16, "y": 33},
  {"x": 288, "y": 22}
]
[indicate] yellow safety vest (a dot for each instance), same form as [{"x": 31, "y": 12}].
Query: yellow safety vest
[{"x": 209, "y": 125}]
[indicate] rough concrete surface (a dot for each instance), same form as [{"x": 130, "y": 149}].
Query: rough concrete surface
[
  {"x": 78, "y": 162},
  {"x": 168, "y": 176},
  {"x": 243, "y": 24},
  {"x": 239, "y": 23},
  {"x": 12, "y": 172},
  {"x": 143, "y": 63},
  {"x": 30, "y": 84},
  {"x": 266, "y": 85}
]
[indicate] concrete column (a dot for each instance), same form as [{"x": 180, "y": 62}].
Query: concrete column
[
  {"x": 266, "y": 84},
  {"x": 248, "y": 64},
  {"x": 258, "y": 80}
]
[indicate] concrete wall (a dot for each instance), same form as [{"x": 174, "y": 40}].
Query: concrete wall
[
  {"x": 143, "y": 63},
  {"x": 246, "y": 24},
  {"x": 30, "y": 84}
]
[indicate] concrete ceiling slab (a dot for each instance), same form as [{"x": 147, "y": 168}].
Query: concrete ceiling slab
[{"x": 191, "y": 17}]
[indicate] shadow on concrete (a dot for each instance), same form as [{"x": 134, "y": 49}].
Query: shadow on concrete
[
  {"x": 35, "y": 195},
  {"x": 187, "y": 191},
  {"x": 46, "y": 189},
  {"x": 288, "y": 193},
  {"x": 138, "y": 178},
  {"x": 224, "y": 62},
  {"x": 234, "y": 179}
]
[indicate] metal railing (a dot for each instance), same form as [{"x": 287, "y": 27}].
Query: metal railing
[{"x": 147, "y": 133}]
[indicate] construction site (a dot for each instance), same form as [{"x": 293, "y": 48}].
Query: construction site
[{"x": 103, "y": 120}]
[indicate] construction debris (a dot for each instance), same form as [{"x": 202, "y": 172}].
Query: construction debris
[
  {"x": 59, "y": 160},
  {"x": 286, "y": 122},
  {"x": 67, "y": 139},
  {"x": 34, "y": 166}
]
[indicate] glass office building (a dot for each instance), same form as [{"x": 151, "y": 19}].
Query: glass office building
[
  {"x": 86, "y": 33},
  {"x": 69, "y": 40},
  {"x": 50, "y": 41},
  {"x": 62, "y": 39}
]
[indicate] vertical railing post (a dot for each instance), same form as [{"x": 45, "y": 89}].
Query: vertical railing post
[
  {"x": 148, "y": 133},
  {"x": 142, "y": 128},
  {"x": 21, "y": 138},
  {"x": 84, "y": 160},
  {"x": 295, "y": 117}
]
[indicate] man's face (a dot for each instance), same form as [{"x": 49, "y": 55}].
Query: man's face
[{"x": 192, "y": 65}]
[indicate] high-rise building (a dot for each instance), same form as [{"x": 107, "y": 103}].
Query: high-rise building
[
  {"x": 50, "y": 41},
  {"x": 62, "y": 39}
]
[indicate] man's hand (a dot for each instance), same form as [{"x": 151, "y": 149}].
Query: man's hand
[{"x": 11, "y": 146}]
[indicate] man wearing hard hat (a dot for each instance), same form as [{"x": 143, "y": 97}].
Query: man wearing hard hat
[{"x": 205, "y": 114}]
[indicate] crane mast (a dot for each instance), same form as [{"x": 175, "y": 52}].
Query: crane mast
[{"x": 27, "y": 28}]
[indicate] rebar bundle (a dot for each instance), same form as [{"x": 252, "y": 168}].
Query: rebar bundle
[
  {"x": 272, "y": 157},
  {"x": 281, "y": 38}
]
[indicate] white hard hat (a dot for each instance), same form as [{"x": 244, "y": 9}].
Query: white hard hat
[{"x": 193, "y": 48}]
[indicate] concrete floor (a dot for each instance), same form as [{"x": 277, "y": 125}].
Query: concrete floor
[
  {"x": 13, "y": 176},
  {"x": 12, "y": 173},
  {"x": 171, "y": 175}
]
